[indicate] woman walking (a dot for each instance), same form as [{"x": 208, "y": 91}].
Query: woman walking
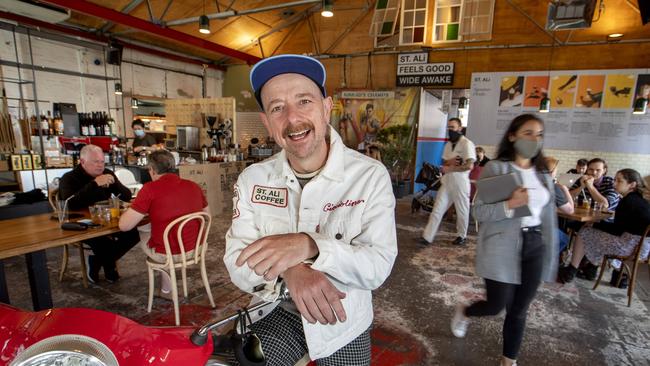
[{"x": 517, "y": 247}]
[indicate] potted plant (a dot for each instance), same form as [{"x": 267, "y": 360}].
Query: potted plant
[{"x": 396, "y": 146}]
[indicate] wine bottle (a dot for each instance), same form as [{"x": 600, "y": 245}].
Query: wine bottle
[
  {"x": 91, "y": 126},
  {"x": 84, "y": 124}
]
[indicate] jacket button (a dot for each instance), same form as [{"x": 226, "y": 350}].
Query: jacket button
[{"x": 338, "y": 236}]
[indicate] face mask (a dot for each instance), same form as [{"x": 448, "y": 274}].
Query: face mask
[
  {"x": 454, "y": 136},
  {"x": 139, "y": 133},
  {"x": 528, "y": 148}
]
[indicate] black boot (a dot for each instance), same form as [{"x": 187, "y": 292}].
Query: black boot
[
  {"x": 566, "y": 274},
  {"x": 588, "y": 272}
]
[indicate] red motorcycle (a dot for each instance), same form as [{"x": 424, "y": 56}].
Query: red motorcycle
[{"x": 79, "y": 336}]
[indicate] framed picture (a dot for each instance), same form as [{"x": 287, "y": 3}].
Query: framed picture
[
  {"x": 36, "y": 161},
  {"x": 16, "y": 162},
  {"x": 27, "y": 162}
]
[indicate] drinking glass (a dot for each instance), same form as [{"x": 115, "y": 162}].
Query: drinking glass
[
  {"x": 597, "y": 206},
  {"x": 95, "y": 214},
  {"x": 62, "y": 211},
  {"x": 106, "y": 215}
]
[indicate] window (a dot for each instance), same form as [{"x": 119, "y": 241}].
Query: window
[
  {"x": 413, "y": 21},
  {"x": 477, "y": 18},
  {"x": 385, "y": 18},
  {"x": 446, "y": 20}
]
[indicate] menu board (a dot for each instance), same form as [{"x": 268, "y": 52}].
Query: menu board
[{"x": 590, "y": 109}]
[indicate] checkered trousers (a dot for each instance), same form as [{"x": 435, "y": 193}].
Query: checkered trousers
[{"x": 283, "y": 342}]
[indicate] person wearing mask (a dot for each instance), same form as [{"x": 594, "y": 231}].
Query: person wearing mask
[
  {"x": 581, "y": 167},
  {"x": 517, "y": 247},
  {"x": 90, "y": 182},
  {"x": 142, "y": 140},
  {"x": 632, "y": 217},
  {"x": 481, "y": 158},
  {"x": 318, "y": 218},
  {"x": 596, "y": 185},
  {"x": 457, "y": 161}
]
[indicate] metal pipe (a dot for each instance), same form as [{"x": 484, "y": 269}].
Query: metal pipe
[
  {"x": 38, "y": 115},
  {"x": 232, "y": 13},
  {"x": 53, "y": 70},
  {"x": 98, "y": 11}
]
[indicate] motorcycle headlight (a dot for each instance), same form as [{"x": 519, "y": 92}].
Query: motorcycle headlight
[{"x": 66, "y": 350}]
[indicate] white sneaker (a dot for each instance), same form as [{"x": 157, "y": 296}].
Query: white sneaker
[{"x": 459, "y": 322}]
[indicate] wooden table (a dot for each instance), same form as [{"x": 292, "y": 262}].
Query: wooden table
[
  {"x": 585, "y": 215},
  {"x": 31, "y": 235}
]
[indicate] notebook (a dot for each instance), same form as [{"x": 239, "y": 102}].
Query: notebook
[{"x": 499, "y": 188}]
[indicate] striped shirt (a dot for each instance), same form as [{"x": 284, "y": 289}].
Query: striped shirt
[{"x": 606, "y": 188}]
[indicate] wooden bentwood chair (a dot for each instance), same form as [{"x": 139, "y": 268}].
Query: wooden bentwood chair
[
  {"x": 636, "y": 257},
  {"x": 198, "y": 257}
]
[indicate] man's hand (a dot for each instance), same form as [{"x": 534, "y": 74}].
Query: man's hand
[
  {"x": 104, "y": 180},
  {"x": 272, "y": 255},
  {"x": 588, "y": 181},
  {"x": 315, "y": 296}
]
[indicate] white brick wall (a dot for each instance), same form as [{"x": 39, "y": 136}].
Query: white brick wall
[
  {"x": 615, "y": 161},
  {"x": 249, "y": 125}
]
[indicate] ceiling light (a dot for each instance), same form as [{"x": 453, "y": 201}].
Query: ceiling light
[
  {"x": 134, "y": 103},
  {"x": 545, "y": 105},
  {"x": 615, "y": 35},
  {"x": 327, "y": 9},
  {"x": 204, "y": 24},
  {"x": 118, "y": 89},
  {"x": 640, "y": 106}
]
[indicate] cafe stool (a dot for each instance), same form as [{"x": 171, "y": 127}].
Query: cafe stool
[
  {"x": 52, "y": 197},
  {"x": 635, "y": 257}
]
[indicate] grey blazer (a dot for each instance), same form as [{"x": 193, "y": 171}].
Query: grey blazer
[{"x": 498, "y": 255}]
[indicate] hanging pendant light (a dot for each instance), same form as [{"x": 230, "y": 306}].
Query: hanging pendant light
[
  {"x": 545, "y": 105},
  {"x": 134, "y": 103},
  {"x": 327, "y": 9},
  {"x": 118, "y": 89},
  {"x": 204, "y": 24},
  {"x": 640, "y": 106}
]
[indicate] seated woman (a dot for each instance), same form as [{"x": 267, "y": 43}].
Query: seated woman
[
  {"x": 563, "y": 200},
  {"x": 620, "y": 237}
]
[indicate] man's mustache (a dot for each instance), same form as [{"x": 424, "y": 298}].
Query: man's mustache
[{"x": 297, "y": 128}]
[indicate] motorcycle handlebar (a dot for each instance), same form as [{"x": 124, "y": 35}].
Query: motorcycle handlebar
[{"x": 200, "y": 336}]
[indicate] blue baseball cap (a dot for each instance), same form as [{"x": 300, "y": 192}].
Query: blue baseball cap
[{"x": 268, "y": 68}]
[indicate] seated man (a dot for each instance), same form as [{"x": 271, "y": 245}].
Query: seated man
[
  {"x": 597, "y": 186},
  {"x": 581, "y": 167},
  {"x": 87, "y": 184},
  {"x": 166, "y": 198}
]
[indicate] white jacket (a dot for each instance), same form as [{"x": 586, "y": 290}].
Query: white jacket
[{"x": 349, "y": 211}]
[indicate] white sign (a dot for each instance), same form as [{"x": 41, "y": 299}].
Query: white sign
[
  {"x": 590, "y": 109},
  {"x": 367, "y": 94},
  {"x": 413, "y": 58}
]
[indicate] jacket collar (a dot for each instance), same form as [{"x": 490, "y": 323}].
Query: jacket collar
[{"x": 334, "y": 168}]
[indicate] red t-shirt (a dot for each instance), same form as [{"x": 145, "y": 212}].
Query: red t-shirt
[{"x": 165, "y": 200}]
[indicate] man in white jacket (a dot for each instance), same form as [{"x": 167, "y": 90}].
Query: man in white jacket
[{"x": 317, "y": 217}]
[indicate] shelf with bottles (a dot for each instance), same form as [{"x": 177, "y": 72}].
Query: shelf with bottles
[
  {"x": 48, "y": 126},
  {"x": 96, "y": 124}
]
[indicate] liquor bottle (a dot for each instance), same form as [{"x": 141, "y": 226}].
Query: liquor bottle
[
  {"x": 91, "y": 126},
  {"x": 107, "y": 125},
  {"x": 45, "y": 126},
  {"x": 50, "y": 123},
  {"x": 59, "y": 127},
  {"x": 84, "y": 124}
]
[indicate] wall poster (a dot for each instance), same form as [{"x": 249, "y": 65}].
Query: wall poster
[{"x": 590, "y": 109}]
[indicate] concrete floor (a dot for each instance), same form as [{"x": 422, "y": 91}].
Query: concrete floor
[{"x": 567, "y": 325}]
